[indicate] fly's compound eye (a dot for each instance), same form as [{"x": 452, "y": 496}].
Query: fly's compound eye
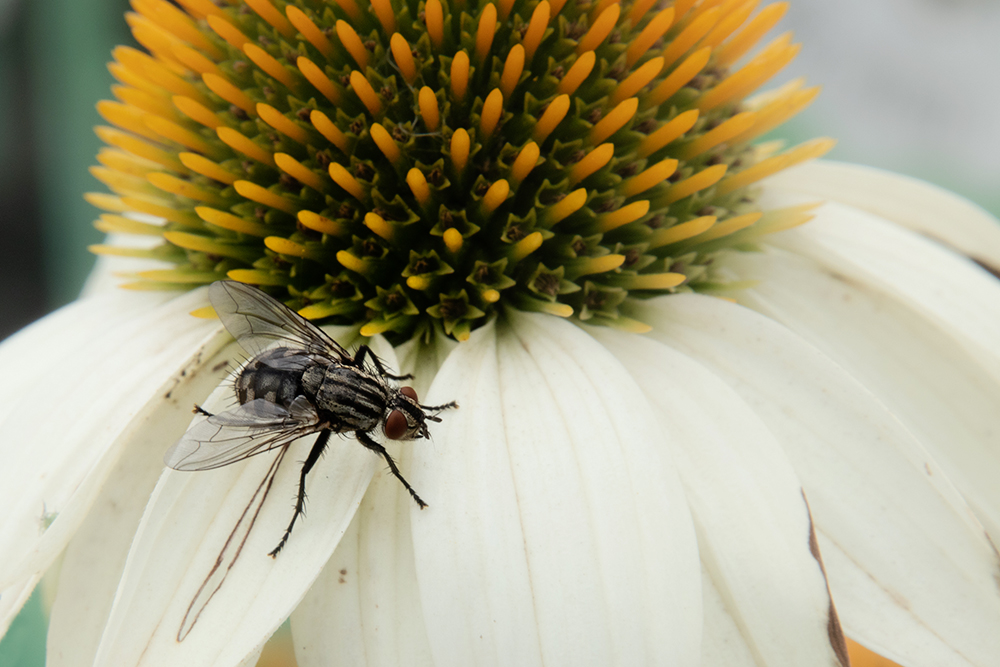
[
  {"x": 410, "y": 393},
  {"x": 395, "y": 425}
]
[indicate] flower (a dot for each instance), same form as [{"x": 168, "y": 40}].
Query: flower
[{"x": 741, "y": 483}]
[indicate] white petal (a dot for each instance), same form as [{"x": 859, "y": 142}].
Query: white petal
[
  {"x": 906, "y": 201},
  {"x": 754, "y": 528},
  {"x": 95, "y": 557},
  {"x": 939, "y": 390},
  {"x": 557, "y": 531},
  {"x": 911, "y": 570},
  {"x": 934, "y": 281},
  {"x": 199, "y": 587},
  {"x": 81, "y": 380}
]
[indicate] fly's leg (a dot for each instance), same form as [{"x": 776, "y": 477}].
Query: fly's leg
[
  {"x": 367, "y": 441},
  {"x": 300, "y": 503},
  {"x": 359, "y": 360},
  {"x": 198, "y": 410}
]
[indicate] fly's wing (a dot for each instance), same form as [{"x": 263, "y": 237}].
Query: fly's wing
[
  {"x": 246, "y": 430},
  {"x": 257, "y": 321}
]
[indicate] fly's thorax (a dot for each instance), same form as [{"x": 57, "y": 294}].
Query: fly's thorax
[{"x": 350, "y": 398}]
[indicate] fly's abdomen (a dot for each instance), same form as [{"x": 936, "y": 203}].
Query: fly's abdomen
[
  {"x": 351, "y": 400},
  {"x": 261, "y": 379}
]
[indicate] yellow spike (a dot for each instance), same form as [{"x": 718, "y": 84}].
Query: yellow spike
[
  {"x": 344, "y": 179},
  {"x": 124, "y": 184},
  {"x": 524, "y": 162},
  {"x": 657, "y": 281},
  {"x": 352, "y": 263},
  {"x": 353, "y": 44},
  {"x": 200, "y": 8},
  {"x": 654, "y": 30},
  {"x": 197, "y": 112},
  {"x": 495, "y": 196},
  {"x": 385, "y": 143},
  {"x": 161, "y": 209},
  {"x": 490, "y": 115},
  {"x": 485, "y": 31},
  {"x": 599, "y": 7},
  {"x": 490, "y": 295},
  {"x": 806, "y": 151},
  {"x": 667, "y": 133},
  {"x": 504, "y": 7},
  {"x": 536, "y": 29},
  {"x": 525, "y": 247},
  {"x": 576, "y": 75},
  {"x": 318, "y": 79},
  {"x": 230, "y": 93},
  {"x": 134, "y": 79},
  {"x": 460, "y": 75},
  {"x": 116, "y": 224},
  {"x": 652, "y": 176},
  {"x": 308, "y": 29},
  {"x": 677, "y": 79},
  {"x": 727, "y": 227},
  {"x": 419, "y": 283},
  {"x": 227, "y": 31},
  {"x": 350, "y": 8},
  {"x": 266, "y": 11},
  {"x": 386, "y": 15},
  {"x": 365, "y": 92},
  {"x": 326, "y": 127},
  {"x": 231, "y": 222},
  {"x": 566, "y": 206},
  {"x": 177, "y": 22},
  {"x": 182, "y": 188},
  {"x": 724, "y": 132},
  {"x": 739, "y": 84},
  {"x": 127, "y": 118},
  {"x": 142, "y": 100},
  {"x": 264, "y": 196},
  {"x": 638, "y": 11},
  {"x": 404, "y": 57},
  {"x": 703, "y": 179},
  {"x": 125, "y": 163},
  {"x": 614, "y": 121},
  {"x": 690, "y": 35},
  {"x": 553, "y": 115},
  {"x": 240, "y": 143},
  {"x": 598, "y": 32},
  {"x": 139, "y": 147},
  {"x": 157, "y": 41},
  {"x": 298, "y": 171},
  {"x": 452, "y": 239},
  {"x": 777, "y": 112},
  {"x": 321, "y": 224},
  {"x": 266, "y": 62},
  {"x": 590, "y": 265},
  {"x": 735, "y": 48},
  {"x": 194, "y": 60},
  {"x": 174, "y": 132},
  {"x": 460, "y": 149},
  {"x": 614, "y": 219},
  {"x": 434, "y": 18},
  {"x": 155, "y": 72},
  {"x": 681, "y": 232},
  {"x": 106, "y": 202},
  {"x": 202, "y": 165},
  {"x": 278, "y": 121},
  {"x": 377, "y": 224},
  {"x": 594, "y": 160},
  {"x": 256, "y": 277},
  {"x": 730, "y": 22},
  {"x": 283, "y": 246},
  {"x": 512, "y": 69},
  {"x": 429, "y": 108},
  {"x": 418, "y": 186}
]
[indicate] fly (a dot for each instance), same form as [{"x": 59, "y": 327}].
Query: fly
[{"x": 298, "y": 381}]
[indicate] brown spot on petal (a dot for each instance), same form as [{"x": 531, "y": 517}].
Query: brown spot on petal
[{"x": 833, "y": 629}]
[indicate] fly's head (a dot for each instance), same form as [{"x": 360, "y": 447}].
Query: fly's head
[{"x": 406, "y": 418}]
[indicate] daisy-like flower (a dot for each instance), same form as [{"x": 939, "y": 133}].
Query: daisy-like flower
[{"x": 533, "y": 207}]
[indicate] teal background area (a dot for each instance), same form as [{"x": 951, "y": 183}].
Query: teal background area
[{"x": 24, "y": 643}]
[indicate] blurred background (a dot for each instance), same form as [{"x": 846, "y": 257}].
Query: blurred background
[{"x": 908, "y": 85}]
